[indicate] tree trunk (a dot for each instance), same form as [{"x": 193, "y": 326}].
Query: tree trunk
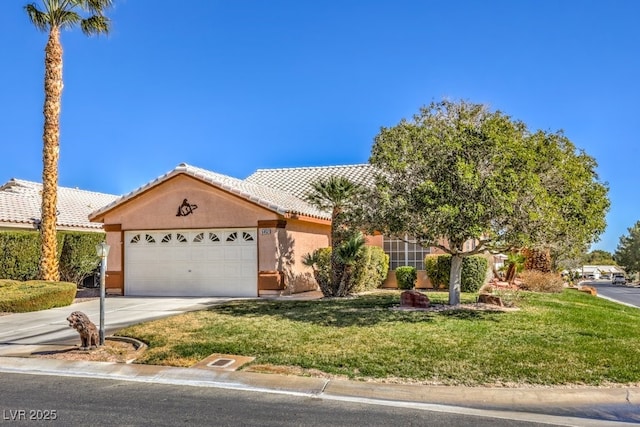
[
  {"x": 511, "y": 273},
  {"x": 50, "y": 154},
  {"x": 336, "y": 265},
  {"x": 455, "y": 278}
]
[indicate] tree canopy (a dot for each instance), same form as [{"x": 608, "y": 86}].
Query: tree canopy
[
  {"x": 466, "y": 179},
  {"x": 628, "y": 251},
  {"x": 599, "y": 257}
]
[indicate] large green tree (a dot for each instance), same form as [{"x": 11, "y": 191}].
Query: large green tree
[
  {"x": 572, "y": 211},
  {"x": 337, "y": 195},
  {"x": 599, "y": 257},
  {"x": 628, "y": 251},
  {"x": 468, "y": 180},
  {"x": 52, "y": 16}
]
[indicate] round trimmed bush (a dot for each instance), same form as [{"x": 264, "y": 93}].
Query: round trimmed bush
[{"x": 406, "y": 277}]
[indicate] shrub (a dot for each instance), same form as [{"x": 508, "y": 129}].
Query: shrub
[
  {"x": 406, "y": 277},
  {"x": 21, "y": 254},
  {"x": 537, "y": 281},
  {"x": 370, "y": 270},
  {"x": 78, "y": 257},
  {"x": 320, "y": 261},
  {"x": 437, "y": 268},
  {"x": 474, "y": 271},
  {"x": 18, "y": 297}
]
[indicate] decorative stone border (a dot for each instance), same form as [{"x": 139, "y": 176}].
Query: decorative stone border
[{"x": 137, "y": 344}]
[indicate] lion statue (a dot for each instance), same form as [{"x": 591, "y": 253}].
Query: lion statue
[{"x": 85, "y": 327}]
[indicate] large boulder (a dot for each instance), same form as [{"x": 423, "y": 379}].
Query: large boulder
[
  {"x": 414, "y": 299},
  {"x": 490, "y": 299}
]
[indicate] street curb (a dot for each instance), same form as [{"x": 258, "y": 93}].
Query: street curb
[{"x": 524, "y": 404}]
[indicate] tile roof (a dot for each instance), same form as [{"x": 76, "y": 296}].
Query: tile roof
[
  {"x": 20, "y": 205},
  {"x": 266, "y": 196},
  {"x": 601, "y": 269},
  {"x": 297, "y": 181}
]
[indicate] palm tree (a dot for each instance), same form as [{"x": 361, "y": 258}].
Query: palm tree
[
  {"x": 348, "y": 254},
  {"x": 53, "y": 16},
  {"x": 334, "y": 194}
]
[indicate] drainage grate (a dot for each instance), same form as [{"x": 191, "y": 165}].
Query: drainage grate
[{"x": 221, "y": 363}]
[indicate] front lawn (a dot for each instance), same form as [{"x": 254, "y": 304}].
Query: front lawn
[{"x": 568, "y": 338}]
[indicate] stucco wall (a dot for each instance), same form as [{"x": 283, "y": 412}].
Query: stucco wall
[
  {"x": 298, "y": 239},
  {"x": 157, "y": 208}
]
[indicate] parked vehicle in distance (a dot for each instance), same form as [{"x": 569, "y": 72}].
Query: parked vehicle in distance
[{"x": 618, "y": 279}]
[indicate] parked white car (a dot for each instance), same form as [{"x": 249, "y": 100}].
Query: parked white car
[{"x": 618, "y": 279}]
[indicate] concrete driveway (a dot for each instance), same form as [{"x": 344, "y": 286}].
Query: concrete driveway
[{"x": 23, "y": 332}]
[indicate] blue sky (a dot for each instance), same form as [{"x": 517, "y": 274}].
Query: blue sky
[{"x": 237, "y": 85}]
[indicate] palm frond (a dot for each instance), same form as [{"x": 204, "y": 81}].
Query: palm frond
[
  {"x": 37, "y": 17},
  {"x": 95, "y": 24},
  {"x": 310, "y": 259},
  {"x": 64, "y": 18},
  {"x": 96, "y": 7},
  {"x": 331, "y": 192},
  {"x": 349, "y": 250},
  {"x": 65, "y": 14}
]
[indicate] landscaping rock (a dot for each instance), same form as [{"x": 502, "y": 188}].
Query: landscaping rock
[
  {"x": 414, "y": 299},
  {"x": 588, "y": 290},
  {"x": 490, "y": 299}
]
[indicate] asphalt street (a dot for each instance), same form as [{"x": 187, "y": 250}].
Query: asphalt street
[
  {"x": 624, "y": 294},
  {"x": 41, "y": 399}
]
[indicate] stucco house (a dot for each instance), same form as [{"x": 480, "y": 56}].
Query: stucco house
[
  {"x": 194, "y": 232},
  {"x": 599, "y": 271}
]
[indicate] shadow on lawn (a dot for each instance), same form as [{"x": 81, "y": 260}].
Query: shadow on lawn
[{"x": 361, "y": 311}]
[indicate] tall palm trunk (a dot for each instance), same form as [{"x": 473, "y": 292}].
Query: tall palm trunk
[
  {"x": 50, "y": 154},
  {"x": 337, "y": 238}
]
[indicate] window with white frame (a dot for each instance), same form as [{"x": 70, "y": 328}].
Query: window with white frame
[{"x": 404, "y": 252}]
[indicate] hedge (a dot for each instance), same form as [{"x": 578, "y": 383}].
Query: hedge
[
  {"x": 34, "y": 295},
  {"x": 21, "y": 254},
  {"x": 474, "y": 271},
  {"x": 78, "y": 257},
  {"x": 406, "y": 277}
]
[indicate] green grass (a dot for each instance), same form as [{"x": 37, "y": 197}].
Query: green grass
[
  {"x": 567, "y": 338},
  {"x": 35, "y": 295}
]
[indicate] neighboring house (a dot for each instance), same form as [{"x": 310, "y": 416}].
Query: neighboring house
[
  {"x": 20, "y": 207},
  {"x": 193, "y": 232},
  {"x": 599, "y": 271}
]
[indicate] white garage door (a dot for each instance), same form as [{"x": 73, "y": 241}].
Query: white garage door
[{"x": 191, "y": 262}]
